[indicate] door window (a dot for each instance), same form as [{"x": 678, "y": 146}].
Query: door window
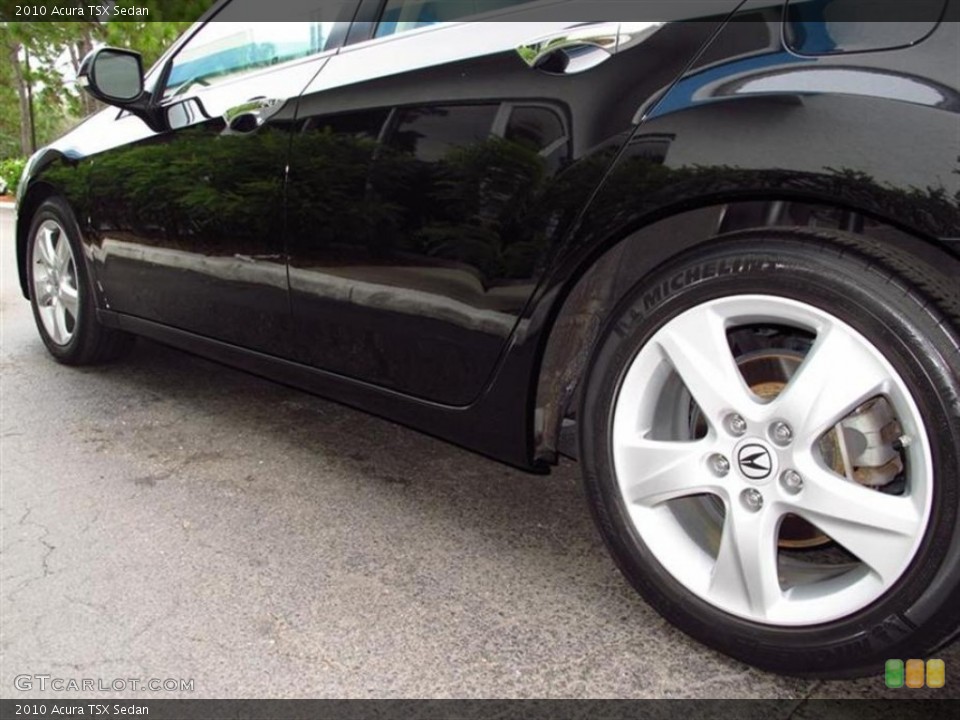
[
  {"x": 461, "y": 186},
  {"x": 228, "y": 46},
  {"x": 431, "y": 133},
  {"x": 403, "y": 15},
  {"x": 542, "y": 130}
]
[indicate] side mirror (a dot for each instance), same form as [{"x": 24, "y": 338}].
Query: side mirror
[{"x": 113, "y": 76}]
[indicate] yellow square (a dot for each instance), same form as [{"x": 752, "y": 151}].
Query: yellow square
[{"x": 936, "y": 673}]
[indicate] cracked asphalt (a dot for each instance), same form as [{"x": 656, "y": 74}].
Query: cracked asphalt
[{"x": 166, "y": 517}]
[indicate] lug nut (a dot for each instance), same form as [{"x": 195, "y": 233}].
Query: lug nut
[
  {"x": 781, "y": 433},
  {"x": 792, "y": 481},
  {"x": 736, "y": 425},
  {"x": 752, "y": 499},
  {"x": 720, "y": 465}
]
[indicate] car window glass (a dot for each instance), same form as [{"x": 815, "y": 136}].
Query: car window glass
[
  {"x": 535, "y": 126},
  {"x": 430, "y": 133},
  {"x": 230, "y": 44},
  {"x": 540, "y": 129},
  {"x": 404, "y": 15}
]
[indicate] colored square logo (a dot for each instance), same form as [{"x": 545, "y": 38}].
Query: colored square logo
[
  {"x": 936, "y": 674},
  {"x": 893, "y": 673},
  {"x": 915, "y": 671}
]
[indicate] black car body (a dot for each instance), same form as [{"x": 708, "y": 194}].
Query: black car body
[{"x": 432, "y": 226}]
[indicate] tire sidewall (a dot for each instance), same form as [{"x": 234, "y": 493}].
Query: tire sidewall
[{"x": 896, "y": 322}]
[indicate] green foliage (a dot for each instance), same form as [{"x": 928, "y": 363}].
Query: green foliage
[
  {"x": 10, "y": 171},
  {"x": 55, "y": 50},
  {"x": 9, "y": 111}
]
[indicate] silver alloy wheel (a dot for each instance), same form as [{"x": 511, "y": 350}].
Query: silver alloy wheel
[
  {"x": 770, "y": 468},
  {"x": 55, "y": 284}
]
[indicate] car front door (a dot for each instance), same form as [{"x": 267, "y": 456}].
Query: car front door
[
  {"x": 192, "y": 222},
  {"x": 436, "y": 164}
]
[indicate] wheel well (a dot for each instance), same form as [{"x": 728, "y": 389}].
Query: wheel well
[
  {"x": 25, "y": 212},
  {"x": 601, "y": 285}
]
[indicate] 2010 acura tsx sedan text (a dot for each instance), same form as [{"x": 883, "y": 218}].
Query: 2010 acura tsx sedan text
[{"x": 711, "y": 251}]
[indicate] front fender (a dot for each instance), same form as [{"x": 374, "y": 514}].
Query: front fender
[{"x": 32, "y": 191}]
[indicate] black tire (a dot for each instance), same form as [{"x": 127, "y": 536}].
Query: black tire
[
  {"x": 911, "y": 314},
  {"x": 90, "y": 342}
]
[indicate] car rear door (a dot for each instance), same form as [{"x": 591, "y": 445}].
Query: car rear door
[{"x": 435, "y": 167}]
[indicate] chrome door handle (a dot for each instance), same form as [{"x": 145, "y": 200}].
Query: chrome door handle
[
  {"x": 581, "y": 48},
  {"x": 594, "y": 43}
]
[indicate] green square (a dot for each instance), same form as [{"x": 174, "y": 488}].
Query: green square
[{"x": 893, "y": 673}]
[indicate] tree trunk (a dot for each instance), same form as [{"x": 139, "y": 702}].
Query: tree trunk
[
  {"x": 74, "y": 57},
  {"x": 78, "y": 51},
  {"x": 26, "y": 128}
]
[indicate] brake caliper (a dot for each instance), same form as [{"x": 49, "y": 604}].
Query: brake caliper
[{"x": 870, "y": 441}]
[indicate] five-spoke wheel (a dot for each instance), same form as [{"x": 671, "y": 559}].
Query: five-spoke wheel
[
  {"x": 55, "y": 282},
  {"x": 60, "y": 291},
  {"x": 768, "y": 436},
  {"x": 769, "y": 458}
]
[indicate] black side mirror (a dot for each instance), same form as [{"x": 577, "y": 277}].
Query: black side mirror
[{"x": 113, "y": 76}]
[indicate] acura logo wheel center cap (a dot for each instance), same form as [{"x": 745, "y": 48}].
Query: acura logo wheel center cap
[{"x": 756, "y": 461}]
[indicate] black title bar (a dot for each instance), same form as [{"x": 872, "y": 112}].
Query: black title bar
[{"x": 535, "y": 10}]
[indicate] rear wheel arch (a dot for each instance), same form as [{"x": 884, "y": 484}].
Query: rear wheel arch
[{"x": 603, "y": 281}]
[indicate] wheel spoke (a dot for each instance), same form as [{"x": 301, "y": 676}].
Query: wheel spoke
[
  {"x": 838, "y": 375},
  {"x": 70, "y": 300},
  {"x": 61, "y": 333},
  {"x": 879, "y": 529},
  {"x": 47, "y": 315},
  {"x": 745, "y": 574},
  {"x": 51, "y": 322},
  {"x": 63, "y": 254},
  {"x": 654, "y": 472},
  {"x": 696, "y": 345},
  {"x": 46, "y": 247}
]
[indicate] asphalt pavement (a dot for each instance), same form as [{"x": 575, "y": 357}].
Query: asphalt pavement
[{"x": 168, "y": 518}]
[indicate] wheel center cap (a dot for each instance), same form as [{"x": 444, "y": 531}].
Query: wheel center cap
[{"x": 756, "y": 461}]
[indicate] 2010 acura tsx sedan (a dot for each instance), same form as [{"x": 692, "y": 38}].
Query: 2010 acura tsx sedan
[{"x": 712, "y": 251}]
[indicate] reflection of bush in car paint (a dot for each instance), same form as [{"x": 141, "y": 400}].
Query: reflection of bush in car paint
[
  {"x": 474, "y": 206},
  {"x": 177, "y": 192},
  {"x": 490, "y": 205}
]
